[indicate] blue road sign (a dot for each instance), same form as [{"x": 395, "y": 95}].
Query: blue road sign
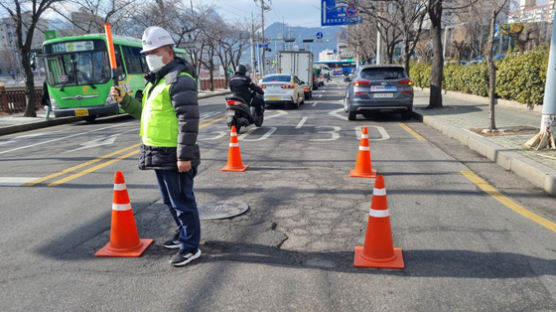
[
  {"x": 339, "y": 13},
  {"x": 319, "y": 35}
]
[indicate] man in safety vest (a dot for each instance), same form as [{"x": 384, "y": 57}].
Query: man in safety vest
[{"x": 169, "y": 115}]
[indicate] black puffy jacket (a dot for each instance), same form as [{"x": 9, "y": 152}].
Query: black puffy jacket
[
  {"x": 242, "y": 86},
  {"x": 183, "y": 93}
]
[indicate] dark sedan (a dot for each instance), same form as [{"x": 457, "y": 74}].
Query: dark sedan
[{"x": 377, "y": 88}]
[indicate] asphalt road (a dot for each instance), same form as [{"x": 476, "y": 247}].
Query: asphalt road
[{"x": 293, "y": 249}]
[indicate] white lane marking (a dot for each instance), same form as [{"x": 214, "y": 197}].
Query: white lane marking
[
  {"x": 207, "y": 115},
  {"x": 27, "y": 136},
  {"x": 7, "y": 142},
  {"x": 15, "y": 181},
  {"x": 219, "y": 134},
  {"x": 301, "y": 123},
  {"x": 383, "y": 134},
  {"x": 37, "y": 134},
  {"x": 265, "y": 136},
  {"x": 315, "y": 104},
  {"x": 279, "y": 113},
  {"x": 334, "y": 135},
  {"x": 58, "y": 139},
  {"x": 335, "y": 114}
]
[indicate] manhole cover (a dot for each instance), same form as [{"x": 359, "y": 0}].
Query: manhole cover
[{"x": 221, "y": 209}]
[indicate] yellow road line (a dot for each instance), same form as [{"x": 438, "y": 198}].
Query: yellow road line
[
  {"x": 102, "y": 165},
  {"x": 210, "y": 122},
  {"x": 487, "y": 188},
  {"x": 413, "y": 133},
  {"x": 547, "y": 156},
  {"x": 91, "y": 169},
  {"x": 90, "y": 162}
]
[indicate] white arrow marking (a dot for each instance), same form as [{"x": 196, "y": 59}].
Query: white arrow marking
[
  {"x": 335, "y": 114},
  {"x": 94, "y": 143},
  {"x": 279, "y": 113}
]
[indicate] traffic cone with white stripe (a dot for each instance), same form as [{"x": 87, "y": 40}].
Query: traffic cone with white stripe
[
  {"x": 378, "y": 251},
  {"x": 234, "y": 155},
  {"x": 124, "y": 239},
  {"x": 363, "y": 165}
]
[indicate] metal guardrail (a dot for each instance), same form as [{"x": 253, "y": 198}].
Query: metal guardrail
[{"x": 12, "y": 100}]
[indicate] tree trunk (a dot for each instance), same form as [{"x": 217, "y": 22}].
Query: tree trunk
[
  {"x": 406, "y": 54},
  {"x": 491, "y": 71},
  {"x": 435, "y": 14},
  {"x": 30, "y": 109}
]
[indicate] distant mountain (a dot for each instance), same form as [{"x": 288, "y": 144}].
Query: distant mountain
[{"x": 279, "y": 30}]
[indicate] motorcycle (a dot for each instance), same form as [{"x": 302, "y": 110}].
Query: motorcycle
[{"x": 240, "y": 114}]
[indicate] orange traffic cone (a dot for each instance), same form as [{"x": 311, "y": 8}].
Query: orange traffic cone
[
  {"x": 379, "y": 251},
  {"x": 124, "y": 239},
  {"x": 234, "y": 155},
  {"x": 363, "y": 166}
]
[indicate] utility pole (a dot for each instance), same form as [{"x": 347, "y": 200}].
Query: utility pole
[
  {"x": 264, "y": 7},
  {"x": 378, "y": 46},
  {"x": 262, "y": 30},
  {"x": 545, "y": 138},
  {"x": 252, "y": 47}
]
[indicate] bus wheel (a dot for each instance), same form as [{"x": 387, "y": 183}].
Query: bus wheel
[
  {"x": 139, "y": 95},
  {"x": 90, "y": 118}
]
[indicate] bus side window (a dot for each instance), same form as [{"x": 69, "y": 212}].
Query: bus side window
[
  {"x": 133, "y": 60},
  {"x": 119, "y": 66}
]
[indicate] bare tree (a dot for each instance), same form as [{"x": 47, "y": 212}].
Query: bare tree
[
  {"x": 496, "y": 6},
  {"x": 399, "y": 21},
  {"x": 91, "y": 15},
  {"x": 26, "y": 21},
  {"x": 436, "y": 9},
  {"x": 358, "y": 38}
]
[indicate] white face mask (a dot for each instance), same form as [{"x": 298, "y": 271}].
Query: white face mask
[{"x": 154, "y": 62}]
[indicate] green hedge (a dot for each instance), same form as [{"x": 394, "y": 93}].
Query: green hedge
[{"x": 519, "y": 77}]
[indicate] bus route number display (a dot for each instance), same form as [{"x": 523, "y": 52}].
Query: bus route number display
[{"x": 73, "y": 46}]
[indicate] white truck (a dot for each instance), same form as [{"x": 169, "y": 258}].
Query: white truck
[{"x": 300, "y": 64}]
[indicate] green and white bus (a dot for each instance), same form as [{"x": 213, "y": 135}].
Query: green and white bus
[{"x": 78, "y": 73}]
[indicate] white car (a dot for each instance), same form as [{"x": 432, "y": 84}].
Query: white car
[{"x": 282, "y": 89}]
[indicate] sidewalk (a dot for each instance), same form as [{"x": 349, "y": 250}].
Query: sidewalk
[
  {"x": 17, "y": 123},
  {"x": 464, "y": 116}
]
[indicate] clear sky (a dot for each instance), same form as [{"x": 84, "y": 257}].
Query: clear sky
[{"x": 295, "y": 12}]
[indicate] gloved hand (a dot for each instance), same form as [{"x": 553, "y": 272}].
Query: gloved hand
[{"x": 117, "y": 93}]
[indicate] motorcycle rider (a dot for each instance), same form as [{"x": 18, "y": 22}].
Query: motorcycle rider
[{"x": 242, "y": 86}]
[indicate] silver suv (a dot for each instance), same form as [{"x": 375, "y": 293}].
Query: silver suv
[{"x": 377, "y": 88}]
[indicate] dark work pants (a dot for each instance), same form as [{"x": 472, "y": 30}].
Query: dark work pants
[{"x": 176, "y": 190}]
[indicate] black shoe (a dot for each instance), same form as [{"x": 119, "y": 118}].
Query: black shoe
[
  {"x": 184, "y": 257},
  {"x": 174, "y": 243}
]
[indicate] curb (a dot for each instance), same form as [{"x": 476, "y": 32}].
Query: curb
[
  {"x": 214, "y": 94},
  {"x": 514, "y": 105},
  {"x": 538, "y": 174},
  {"x": 37, "y": 125},
  {"x": 64, "y": 120}
]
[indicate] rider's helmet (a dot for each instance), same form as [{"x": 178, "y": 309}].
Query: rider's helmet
[{"x": 241, "y": 69}]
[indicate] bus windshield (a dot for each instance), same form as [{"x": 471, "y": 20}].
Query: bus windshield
[{"x": 71, "y": 66}]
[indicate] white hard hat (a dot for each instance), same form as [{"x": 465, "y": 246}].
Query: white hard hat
[{"x": 155, "y": 37}]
